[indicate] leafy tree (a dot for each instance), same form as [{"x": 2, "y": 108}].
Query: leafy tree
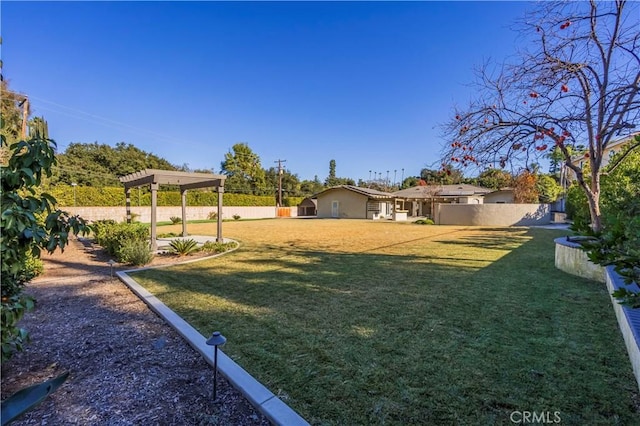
[
  {"x": 29, "y": 224},
  {"x": 95, "y": 164},
  {"x": 548, "y": 189},
  {"x": 311, "y": 187},
  {"x": 579, "y": 84},
  {"x": 492, "y": 178},
  {"x": 525, "y": 188},
  {"x": 446, "y": 176},
  {"x": 244, "y": 173},
  {"x": 409, "y": 182},
  {"x": 290, "y": 183}
]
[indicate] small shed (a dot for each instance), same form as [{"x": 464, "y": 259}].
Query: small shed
[
  {"x": 308, "y": 207},
  {"x": 184, "y": 180},
  {"x": 354, "y": 202}
]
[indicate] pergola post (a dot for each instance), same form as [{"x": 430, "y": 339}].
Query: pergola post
[
  {"x": 183, "y": 193},
  {"x": 127, "y": 195},
  {"x": 219, "y": 233},
  {"x": 184, "y": 180},
  {"x": 154, "y": 207}
]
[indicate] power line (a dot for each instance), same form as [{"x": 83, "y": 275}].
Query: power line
[{"x": 107, "y": 122}]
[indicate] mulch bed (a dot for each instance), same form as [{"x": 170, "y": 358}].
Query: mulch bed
[{"x": 127, "y": 366}]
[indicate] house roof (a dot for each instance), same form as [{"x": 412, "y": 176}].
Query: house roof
[
  {"x": 613, "y": 144},
  {"x": 371, "y": 193},
  {"x": 168, "y": 177},
  {"x": 433, "y": 191}
]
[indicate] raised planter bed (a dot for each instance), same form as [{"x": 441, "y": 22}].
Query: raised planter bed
[{"x": 572, "y": 259}]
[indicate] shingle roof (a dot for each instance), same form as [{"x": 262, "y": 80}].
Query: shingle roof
[
  {"x": 371, "y": 193},
  {"x": 431, "y": 191}
]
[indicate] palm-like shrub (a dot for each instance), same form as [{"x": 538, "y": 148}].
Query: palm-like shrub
[{"x": 183, "y": 247}]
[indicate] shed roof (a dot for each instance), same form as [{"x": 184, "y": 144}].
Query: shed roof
[
  {"x": 185, "y": 180},
  {"x": 371, "y": 193}
]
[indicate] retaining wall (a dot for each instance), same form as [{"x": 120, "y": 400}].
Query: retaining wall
[{"x": 573, "y": 260}]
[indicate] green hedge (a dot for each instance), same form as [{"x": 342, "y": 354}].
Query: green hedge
[{"x": 114, "y": 197}]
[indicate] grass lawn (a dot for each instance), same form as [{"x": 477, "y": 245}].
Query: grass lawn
[{"x": 361, "y": 322}]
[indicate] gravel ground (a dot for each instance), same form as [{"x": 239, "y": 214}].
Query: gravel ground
[{"x": 127, "y": 367}]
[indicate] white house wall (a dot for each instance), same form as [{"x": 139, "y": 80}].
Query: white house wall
[{"x": 351, "y": 205}]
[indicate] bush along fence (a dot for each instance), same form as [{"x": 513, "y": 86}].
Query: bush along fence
[{"x": 69, "y": 196}]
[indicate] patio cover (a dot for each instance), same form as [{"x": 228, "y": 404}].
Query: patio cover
[{"x": 185, "y": 180}]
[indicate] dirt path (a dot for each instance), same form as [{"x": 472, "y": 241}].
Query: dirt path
[{"x": 127, "y": 366}]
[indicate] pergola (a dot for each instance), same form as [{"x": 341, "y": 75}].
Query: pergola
[{"x": 154, "y": 178}]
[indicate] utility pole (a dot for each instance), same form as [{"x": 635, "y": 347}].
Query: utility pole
[
  {"x": 25, "y": 113},
  {"x": 280, "y": 171}
]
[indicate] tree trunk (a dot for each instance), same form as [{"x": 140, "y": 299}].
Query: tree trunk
[{"x": 594, "y": 210}]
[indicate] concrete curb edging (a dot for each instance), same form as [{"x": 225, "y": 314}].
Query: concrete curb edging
[{"x": 260, "y": 397}]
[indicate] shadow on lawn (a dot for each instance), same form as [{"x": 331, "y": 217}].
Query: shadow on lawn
[{"x": 369, "y": 338}]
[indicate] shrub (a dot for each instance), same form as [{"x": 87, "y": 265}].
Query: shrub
[
  {"x": 114, "y": 236},
  {"x": 236, "y": 217},
  {"x": 175, "y": 220},
  {"x": 135, "y": 252},
  {"x": 424, "y": 222},
  {"x": 215, "y": 247},
  {"x": 212, "y": 215},
  {"x": 169, "y": 235},
  {"x": 183, "y": 247},
  {"x": 577, "y": 207}
]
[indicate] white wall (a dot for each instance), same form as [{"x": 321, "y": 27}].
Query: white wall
[
  {"x": 165, "y": 213},
  {"x": 492, "y": 214}
]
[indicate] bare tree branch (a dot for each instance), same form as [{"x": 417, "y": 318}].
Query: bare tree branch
[{"x": 579, "y": 85}]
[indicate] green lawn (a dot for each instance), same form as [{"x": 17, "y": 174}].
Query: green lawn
[{"x": 361, "y": 322}]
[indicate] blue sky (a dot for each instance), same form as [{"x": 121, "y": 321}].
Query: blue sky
[{"x": 364, "y": 83}]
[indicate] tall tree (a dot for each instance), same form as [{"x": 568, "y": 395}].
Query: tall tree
[
  {"x": 332, "y": 180},
  {"x": 579, "y": 84},
  {"x": 38, "y": 128},
  {"x": 243, "y": 170}
]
